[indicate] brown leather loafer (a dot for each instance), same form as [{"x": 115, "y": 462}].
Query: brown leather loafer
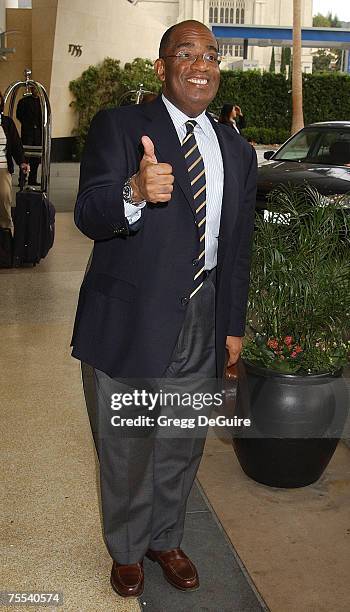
[
  {"x": 127, "y": 580},
  {"x": 177, "y": 568}
]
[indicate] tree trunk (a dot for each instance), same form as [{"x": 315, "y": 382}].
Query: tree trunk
[{"x": 297, "y": 81}]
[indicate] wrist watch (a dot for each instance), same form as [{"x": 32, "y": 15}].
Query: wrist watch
[{"x": 128, "y": 194}]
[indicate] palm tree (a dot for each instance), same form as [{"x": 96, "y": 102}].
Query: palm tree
[{"x": 297, "y": 81}]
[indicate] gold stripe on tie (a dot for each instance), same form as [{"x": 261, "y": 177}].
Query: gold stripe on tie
[
  {"x": 199, "y": 273},
  {"x": 197, "y": 177},
  {"x": 194, "y": 163},
  {"x": 195, "y": 291},
  {"x": 191, "y": 151},
  {"x": 201, "y": 222},
  {"x": 202, "y": 238},
  {"x": 200, "y": 207},
  {"x": 199, "y": 192},
  {"x": 201, "y": 255},
  {"x": 187, "y": 138}
]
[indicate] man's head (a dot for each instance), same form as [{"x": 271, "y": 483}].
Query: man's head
[{"x": 190, "y": 83}]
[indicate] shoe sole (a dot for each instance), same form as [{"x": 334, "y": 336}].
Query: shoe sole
[{"x": 122, "y": 594}]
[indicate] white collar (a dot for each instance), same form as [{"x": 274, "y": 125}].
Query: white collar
[{"x": 179, "y": 118}]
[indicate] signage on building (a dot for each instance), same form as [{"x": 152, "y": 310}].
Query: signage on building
[{"x": 75, "y": 50}]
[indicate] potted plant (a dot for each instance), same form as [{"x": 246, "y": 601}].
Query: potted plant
[{"x": 292, "y": 387}]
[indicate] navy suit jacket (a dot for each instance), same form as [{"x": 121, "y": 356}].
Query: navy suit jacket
[{"x": 133, "y": 299}]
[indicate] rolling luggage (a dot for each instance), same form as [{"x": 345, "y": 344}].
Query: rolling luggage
[
  {"x": 6, "y": 247},
  {"x": 34, "y": 221}
]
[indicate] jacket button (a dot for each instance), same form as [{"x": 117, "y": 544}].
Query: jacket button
[
  {"x": 185, "y": 300},
  {"x": 195, "y": 262}
]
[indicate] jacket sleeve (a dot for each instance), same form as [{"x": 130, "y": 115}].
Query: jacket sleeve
[
  {"x": 16, "y": 146},
  {"x": 99, "y": 210},
  {"x": 241, "y": 270}
]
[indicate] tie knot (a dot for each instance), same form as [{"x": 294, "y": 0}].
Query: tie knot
[{"x": 190, "y": 125}]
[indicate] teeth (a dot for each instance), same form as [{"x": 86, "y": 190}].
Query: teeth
[{"x": 198, "y": 81}]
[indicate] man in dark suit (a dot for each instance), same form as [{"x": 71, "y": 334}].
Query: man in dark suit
[
  {"x": 168, "y": 196},
  {"x": 29, "y": 115}
]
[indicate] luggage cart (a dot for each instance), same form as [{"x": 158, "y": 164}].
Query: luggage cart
[
  {"x": 42, "y": 151},
  {"x": 34, "y": 215},
  {"x": 134, "y": 96}
]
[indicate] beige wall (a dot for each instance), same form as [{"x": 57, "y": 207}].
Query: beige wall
[
  {"x": 12, "y": 69},
  {"x": 109, "y": 28},
  {"x": 44, "y": 14}
]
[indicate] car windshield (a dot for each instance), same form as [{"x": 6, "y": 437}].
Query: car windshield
[{"x": 318, "y": 146}]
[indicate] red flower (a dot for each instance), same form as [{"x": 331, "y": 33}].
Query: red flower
[
  {"x": 294, "y": 354},
  {"x": 288, "y": 340},
  {"x": 298, "y": 348},
  {"x": 272, "y": 343}
]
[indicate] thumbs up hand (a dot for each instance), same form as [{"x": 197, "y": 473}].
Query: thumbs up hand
[{"x": 153, "y": 182}]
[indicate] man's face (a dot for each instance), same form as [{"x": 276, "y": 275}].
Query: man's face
[{"x": 189, "y": 86}]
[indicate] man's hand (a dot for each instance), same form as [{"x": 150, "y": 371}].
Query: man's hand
[
  {"x": 153, "y": 182},
  {"x": 25, "y": 168},
  {"x": 234, "y": 347}
]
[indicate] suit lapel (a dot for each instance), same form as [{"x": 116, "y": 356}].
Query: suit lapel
[
  {"x": 230, "y": 200},
  {"x": 167, "y": 146}
]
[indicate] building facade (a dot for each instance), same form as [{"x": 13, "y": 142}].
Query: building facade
[{"x": 59, "y": 39}]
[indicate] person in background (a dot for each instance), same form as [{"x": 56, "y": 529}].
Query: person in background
[
  {"x": 232, "y": 115},
  {"x": 10, "y": 149},
  {"x": 29, "y": 115}
]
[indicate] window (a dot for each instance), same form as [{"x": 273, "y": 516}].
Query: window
[
  {"x": 231, "y": 50},
  {"x": 226, "y": 11}
]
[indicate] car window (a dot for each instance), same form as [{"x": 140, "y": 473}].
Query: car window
[
  {"x": 319, "y": 146},
  {"x": 298, "y": 148},
  {"x": 333, "y": 148}
]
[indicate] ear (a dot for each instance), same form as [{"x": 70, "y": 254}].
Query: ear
[{"x": 159, "y": 69}]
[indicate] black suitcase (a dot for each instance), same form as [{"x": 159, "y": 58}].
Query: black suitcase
[
  {"x": 6, "y": 248},
  {"x": 34, "y": 221}
]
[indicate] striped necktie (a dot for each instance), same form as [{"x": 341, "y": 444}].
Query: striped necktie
[{"x": 196, "y": 171}]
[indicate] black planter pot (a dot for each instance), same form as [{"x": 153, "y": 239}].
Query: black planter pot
[{"x": 296, "y": 423}]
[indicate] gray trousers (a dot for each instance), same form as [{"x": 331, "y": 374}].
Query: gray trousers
[{"x": 146, "y": 477}]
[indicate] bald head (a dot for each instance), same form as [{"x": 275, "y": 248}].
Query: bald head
[{"x": 166, "y": 40}]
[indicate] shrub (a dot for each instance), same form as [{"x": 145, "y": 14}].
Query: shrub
[
  {"x": 103, "y": 85},
  {"x": 266, "y": 135},
  {"x": 299, "y": 298},
  {"x": 264, "y": 98}
]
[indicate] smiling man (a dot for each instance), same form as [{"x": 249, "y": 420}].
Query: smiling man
[{"x": 168, "y": 197}]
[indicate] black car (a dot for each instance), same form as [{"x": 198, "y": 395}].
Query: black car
[{"x": 318, "y": 155}]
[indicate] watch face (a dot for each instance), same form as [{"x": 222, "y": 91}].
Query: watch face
[{"x": 127, "y": 193}]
